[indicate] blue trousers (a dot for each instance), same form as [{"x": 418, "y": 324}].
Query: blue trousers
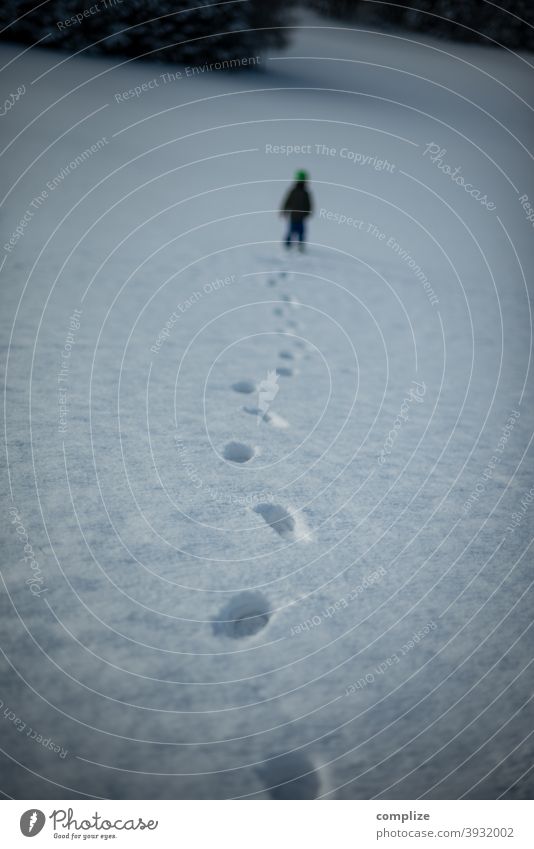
[{"x": 295, "y": 231}]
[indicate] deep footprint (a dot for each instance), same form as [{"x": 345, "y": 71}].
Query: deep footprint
[
  {"x": 290, "y": 776},
  {"x": 283, "y": 371},
  {"x": 286, "y": 355},
  {"x": 288, "y": 525},
  {"x": 245, "y": 615},
  {"x": 270, "y": 417},
  {"x": 290, "y": 300},
  {"x": 244, "y": 386},
  {"x": 238, "y": 452}
]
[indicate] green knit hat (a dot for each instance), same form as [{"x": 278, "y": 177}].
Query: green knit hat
[{"x": 300, "y": 176}]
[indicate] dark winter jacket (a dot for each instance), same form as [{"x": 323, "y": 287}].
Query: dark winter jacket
[{"x": 297, "y": 203}]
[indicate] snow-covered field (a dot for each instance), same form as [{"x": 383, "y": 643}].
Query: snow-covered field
[{"x": 331, "y": 599}]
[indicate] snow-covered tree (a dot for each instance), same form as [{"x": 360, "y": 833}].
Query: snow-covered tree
[{"x": 172, "y": 30}]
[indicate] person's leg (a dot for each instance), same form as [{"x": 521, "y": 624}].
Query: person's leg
[
  {"x": 301, "y": 235},
  {"x": 289, "y": 233}
]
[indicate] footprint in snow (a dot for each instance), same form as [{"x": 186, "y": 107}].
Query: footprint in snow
[
  {"x": 244, "y": 386},
  {"x": 284, "y": 371},
  {"x": 278, "y": 311},
  {"x": 245, "y": 615},
  {"x": 270, "y": 417},
  {"x": 290, "y": 776},
  {"x": 290, "y": 300},
  {"x": 238, "y": 452},
  {"x": 287, "y": 524},
  {"x": 286, "y": 355},
  {"x": 271, "y": 282}
]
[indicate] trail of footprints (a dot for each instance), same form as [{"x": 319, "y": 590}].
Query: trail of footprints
[
  {"x": 290, "y": 526},
  {"x": 291, "y": 775},
  {"x": 247, "y": 614}
]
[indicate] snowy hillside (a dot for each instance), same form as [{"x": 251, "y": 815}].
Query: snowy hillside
[{"x": 268, "y": 497}]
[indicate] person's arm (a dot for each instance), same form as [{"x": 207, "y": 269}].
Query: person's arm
[{"x": 286, "y": 207}]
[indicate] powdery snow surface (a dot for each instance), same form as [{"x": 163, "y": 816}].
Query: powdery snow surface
[{"x": 275, "y": 508}]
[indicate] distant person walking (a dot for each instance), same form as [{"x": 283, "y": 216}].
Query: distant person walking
[{"x": 297, "y": 206}]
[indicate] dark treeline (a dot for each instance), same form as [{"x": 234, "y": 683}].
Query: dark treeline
[
  {"x": 200, "y": 31},
  {"x": 507, "y": 22},
  {"x": 171, "y": 30}
]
